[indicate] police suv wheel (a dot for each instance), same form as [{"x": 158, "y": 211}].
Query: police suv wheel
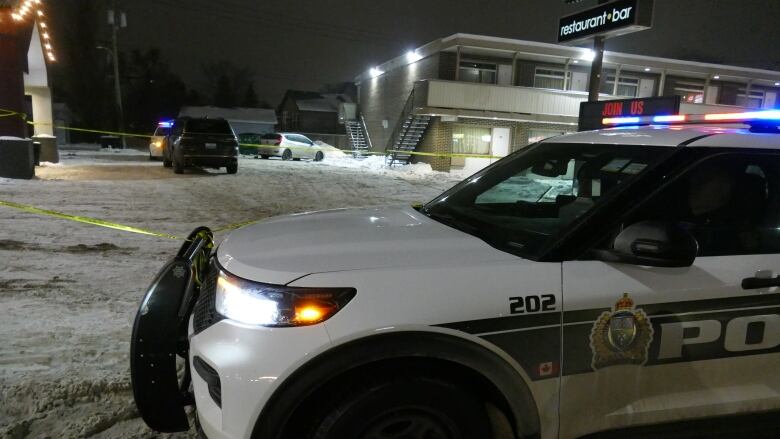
[
  {"x": 287, "y": 154},
  {"x": 319, "y": 156},
  {"x": 232, "y": 168},
  {"x": 413, "y": 407}
]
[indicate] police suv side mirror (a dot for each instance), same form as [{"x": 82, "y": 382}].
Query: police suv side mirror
[{"x": 652, "y": 243}]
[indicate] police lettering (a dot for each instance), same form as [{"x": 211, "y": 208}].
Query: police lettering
[{"x": 735, "y": 334}]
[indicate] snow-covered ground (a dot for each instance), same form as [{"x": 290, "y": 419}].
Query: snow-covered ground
[{"x": 69, "y": 291}]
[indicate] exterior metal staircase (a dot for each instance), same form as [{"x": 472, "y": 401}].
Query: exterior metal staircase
[
  {"x": 407, "y": 135},
  {"x": 359, "y": 142}
]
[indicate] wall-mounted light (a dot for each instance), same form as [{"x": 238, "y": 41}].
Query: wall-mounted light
[
  {"x": 716, "y": 77},
  {"x": 647, "y": 69},
  {"x": 588, "y": 55},
  {"x": 374, "y": 72},
  {"x": 413, "y": 56}
]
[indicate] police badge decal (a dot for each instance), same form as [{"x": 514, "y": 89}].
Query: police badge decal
[{"x": 621, "y": 336}]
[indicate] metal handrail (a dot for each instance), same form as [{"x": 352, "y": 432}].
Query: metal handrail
[
  {"x": 399, "y": 126},
  {"x": 408, "y": 106},
  {"x": 365, "y": 132}
]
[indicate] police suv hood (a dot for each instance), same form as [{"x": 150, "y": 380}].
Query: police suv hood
[{"x": 282, "y": 249}]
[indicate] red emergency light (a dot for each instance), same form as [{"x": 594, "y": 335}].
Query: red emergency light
[{"x": 754, "y": 118}]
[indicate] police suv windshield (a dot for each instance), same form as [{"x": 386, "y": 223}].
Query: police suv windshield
[{"x": 523, "y": 202}]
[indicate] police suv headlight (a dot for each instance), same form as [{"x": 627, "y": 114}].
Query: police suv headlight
[{"x": 261, "y": 304}]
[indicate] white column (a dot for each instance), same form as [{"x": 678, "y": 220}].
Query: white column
[
  {"x": 617, "y": 79},
  {"x": 42, "y": 110}
]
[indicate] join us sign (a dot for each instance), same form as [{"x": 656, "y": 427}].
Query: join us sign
[
  {"x": 608, "y": 20},
  {"x": 592, "y": 113}
]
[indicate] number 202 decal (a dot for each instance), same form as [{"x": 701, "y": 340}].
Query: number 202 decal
[{"x": 531, "y": 304}]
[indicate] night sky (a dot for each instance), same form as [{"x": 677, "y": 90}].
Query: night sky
[{"x": 304, "y": 44}]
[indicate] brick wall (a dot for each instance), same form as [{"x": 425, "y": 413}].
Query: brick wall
[
  {"x": 437, "y": 139},
  {"x": 383, "y": 97}
]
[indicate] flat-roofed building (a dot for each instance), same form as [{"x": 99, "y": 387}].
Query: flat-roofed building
[{"x": 472, "y": 94}]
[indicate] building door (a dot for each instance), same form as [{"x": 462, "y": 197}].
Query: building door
[
  {"x": 646, "y": 87},
  {"x": 499, "y": 145},
  {"x": 579, "y": 81},
  {"x": 647, "y": 345},
  {"x": 712, "y": 94}
]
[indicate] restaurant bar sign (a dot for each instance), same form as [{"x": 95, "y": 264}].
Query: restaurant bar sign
[
  {"x": 593, "y": 113},
  {"x": 607, "y": 20}
]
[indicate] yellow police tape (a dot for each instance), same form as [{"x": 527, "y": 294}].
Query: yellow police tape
[
  {"x": 109, "y": 224},
  {"x": 442, "y": 154},
  {"x": 85, "y": 130},
  {"x": 6, "y": 113},
  {"x": 252, "y": 145},
  {"x": 235, "y": 226},
  {"x": 86, "y": 220}
]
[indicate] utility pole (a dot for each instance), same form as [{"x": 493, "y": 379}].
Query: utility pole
[
  {"x": 117, "y": 19},
  {"x": 595, "y": 67}
]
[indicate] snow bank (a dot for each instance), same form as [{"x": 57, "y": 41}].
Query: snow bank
[{"x": 330, "y": 150}]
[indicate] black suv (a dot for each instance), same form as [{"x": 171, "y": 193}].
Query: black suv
[{"x": 201, "y": 142}]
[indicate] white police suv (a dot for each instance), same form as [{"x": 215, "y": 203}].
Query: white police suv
[{"x": 614, "y": 282}]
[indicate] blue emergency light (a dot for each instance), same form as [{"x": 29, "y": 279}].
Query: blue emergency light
[
  {"x": 165, "y": 124},
  {"x": 769, "y": 118}
]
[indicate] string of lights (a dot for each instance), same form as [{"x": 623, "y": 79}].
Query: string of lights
[{"x": 34, "y": 9}]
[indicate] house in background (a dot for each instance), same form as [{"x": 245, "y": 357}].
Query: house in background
[
  {"x": 24, "y": 79},
  {"x": 243, "y": 120},
  {"x": 320, "y": 116}
]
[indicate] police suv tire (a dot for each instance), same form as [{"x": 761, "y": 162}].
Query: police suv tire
[
  {"x": 263, "y": 156},
  {"x": 414, "y": 407},
  {"x": 287, "y": 154},
  {"x": 178, "y": 167},
  {"x": 319, "y": 156},
  {"x": 232, "y": 168}
]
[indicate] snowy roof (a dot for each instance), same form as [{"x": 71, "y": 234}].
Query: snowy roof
[
  {"x": 247, "y": 115},
  {"x": 313, "y": 101}
]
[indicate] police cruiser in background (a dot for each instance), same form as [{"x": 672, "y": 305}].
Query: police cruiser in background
[
  {"x": 619, "y": 282},
  {"x": 158, "y": 139}
]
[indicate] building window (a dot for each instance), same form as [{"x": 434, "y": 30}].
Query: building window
[
  {"x": 471, "y": 139},
  {"x": 690, "y": 92},
  {"x": 477, "y": 72},
  {"x": 627, "y": 86},
  {"x": 551, "y": 78},
  {"x": 756, "y": 98}
]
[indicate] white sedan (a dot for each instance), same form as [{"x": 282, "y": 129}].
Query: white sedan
[{"x": 289, "y": 146}]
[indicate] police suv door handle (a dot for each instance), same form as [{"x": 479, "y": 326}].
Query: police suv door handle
[{"x": 753, "y": 283}]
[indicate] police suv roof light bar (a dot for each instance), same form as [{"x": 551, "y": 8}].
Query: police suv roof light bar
[{"x": 758, "y": 120}]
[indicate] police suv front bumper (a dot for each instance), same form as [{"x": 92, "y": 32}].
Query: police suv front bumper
[
  {"x": 160, "y": 336},
  {"x": 233, "y": 368}
]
